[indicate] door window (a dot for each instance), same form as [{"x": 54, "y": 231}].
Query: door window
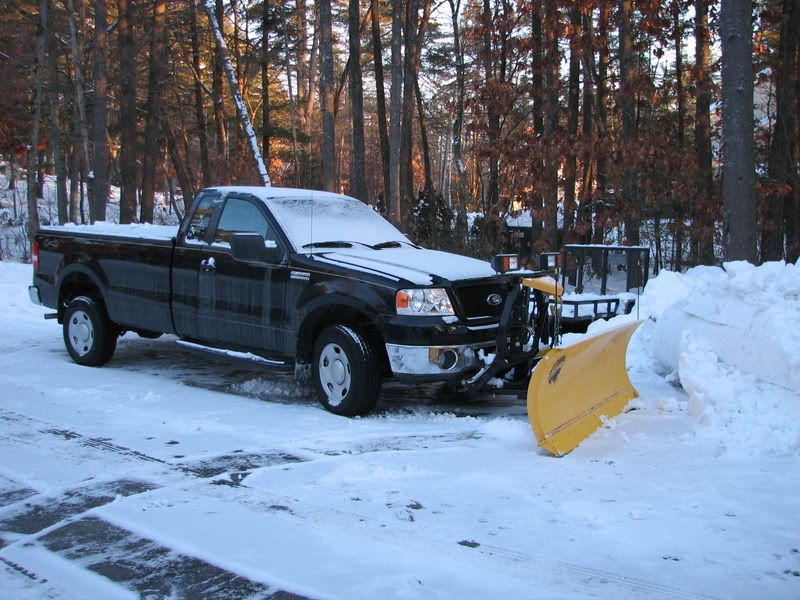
[
  {"x": 240, "y": 216},
  {"x": 204, "y": 206}
]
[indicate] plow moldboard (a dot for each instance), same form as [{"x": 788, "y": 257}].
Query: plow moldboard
[{"x": 573, "y": 387}]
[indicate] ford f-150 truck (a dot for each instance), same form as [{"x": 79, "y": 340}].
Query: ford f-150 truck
[{"x": 286, "y": 277}]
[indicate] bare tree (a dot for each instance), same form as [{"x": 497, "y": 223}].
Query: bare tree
[
  {"x": 127, "y": 112},
  {"x": 199, "y": 111},
  {"x": 36, "y": 115},
  {"x": 55, "y": 127},
  {"x": 100, "y": 127},
  {"x": 380, "y": 94},
  {"x": 738, "y": 167},
  {"x": 702, "y": 219},
  {"x": 358, "y": 186},
  {"x": 265, "y": 116},
  {"x": 395, "y": 107},
  {"x": 158, "y": 63},
  {"x": 86, "y": 171},
  {"x": 551, "y": 60},
  {"x": 241, "y": 109},
  {"x": 326, "y": 97},
  {"x": 630, "y": 196},
  {"x": 216, "y": 84},
  {"x": 782, "y": 169}
]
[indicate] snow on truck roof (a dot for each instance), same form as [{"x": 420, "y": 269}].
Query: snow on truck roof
[{"x": 268, "y": 193}]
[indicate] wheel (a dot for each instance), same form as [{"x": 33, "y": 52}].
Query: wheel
[
  {"x": 346, "y": 371},
  {"x": 89, "y": 335}
]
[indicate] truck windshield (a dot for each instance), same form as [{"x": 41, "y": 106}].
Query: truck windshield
[{"x": 315, "y": 222}]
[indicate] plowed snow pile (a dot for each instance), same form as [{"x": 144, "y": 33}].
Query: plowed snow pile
[{"x": 731, "y": 337}]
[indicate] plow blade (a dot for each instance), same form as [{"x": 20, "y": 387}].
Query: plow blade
[{"x": 573, "y": 387}]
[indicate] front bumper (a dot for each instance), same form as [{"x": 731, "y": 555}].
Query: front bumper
[{"x": 433, "y": 363}]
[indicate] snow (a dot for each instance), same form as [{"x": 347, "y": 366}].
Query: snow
[
  {"x": 692, "y": 493},
  {"x": 139, "y": 231},
  {"x": 416, "y": 265}
]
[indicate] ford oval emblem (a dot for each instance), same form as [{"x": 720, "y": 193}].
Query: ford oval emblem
[{"x": 494, "y": 299}]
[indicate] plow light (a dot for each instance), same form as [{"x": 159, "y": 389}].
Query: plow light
[{"x": 503, "y": 263}]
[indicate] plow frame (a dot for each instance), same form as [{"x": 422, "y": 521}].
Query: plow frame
[
  {"x": 570, "y": 390},
  {"x": 522, "y": 332}
]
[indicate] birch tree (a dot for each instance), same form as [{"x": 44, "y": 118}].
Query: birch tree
[{"x": 241, "y": 109}]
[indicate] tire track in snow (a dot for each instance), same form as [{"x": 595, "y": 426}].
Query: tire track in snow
[{"x": 578, "y": 579}]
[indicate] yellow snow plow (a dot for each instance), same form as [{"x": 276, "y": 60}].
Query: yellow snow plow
[
  {"x": 571, "y": 389},
  {"x": 574, "y": 387}
]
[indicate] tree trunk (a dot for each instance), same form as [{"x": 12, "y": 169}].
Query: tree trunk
[
  {"x": 326, "y": 97},
  {"x": 55, "y": 128},
  {"x": 573, "y": 99},
  {"x": 313, "y": 68},
  {"x": 537, "y": 85},
  {"x": 461, "y": 92},
  {"x": 492, "y": 114},
  {"x": 216, "y": 83},
  {"x": 678, "y": 204},
  {"x": 584, "y": 225},
  {"x": 127, "y": 112},
  {"x": 158, "y": 63},
  {"x": 83, "y": 127},
  {"x": 630, "y": 200},
  {"x": 187, "y": 188},
  {"x": 423, "y": 134},
  {"x": 36, "y": 115},
  {"x": 292, "y": 109},
  {"x": 702, "y": 215},
  {"x": 395, "y": 99},
  {"x": 782, "y": 159},
  {"x": 302, "y": 61},
  {"x": 199, "y": 111},
  {"x": 100, "y": 125},
  {"x": 407, "y": 127},
  {"x": 358, "y": 185},
  {"x": 601, "y": 211},
  {"x": 265, "y": 124},
  {"x": 550, "y": 109},
  {"x": 380, "y": 94},
  {"x": 738, "y": 167},
  {"x": 241, "y": 109}
]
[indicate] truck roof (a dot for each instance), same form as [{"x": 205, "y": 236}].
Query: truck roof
[{"x": 265, "y": 193}]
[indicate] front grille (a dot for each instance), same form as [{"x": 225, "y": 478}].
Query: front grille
[{"x": 473, "y": 299}]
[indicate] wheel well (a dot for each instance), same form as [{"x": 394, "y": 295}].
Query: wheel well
[
  {"x": 338, "y": 315},
  {"x": 74, "y": 285}
]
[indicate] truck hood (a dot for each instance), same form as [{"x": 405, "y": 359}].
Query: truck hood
[{"x": 418, "y": 266}]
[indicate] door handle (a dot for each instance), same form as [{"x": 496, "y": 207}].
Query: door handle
[{"x": 208, "y": 265}]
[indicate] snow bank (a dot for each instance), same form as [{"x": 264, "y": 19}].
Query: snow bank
[{"x": 729, "y": 335}]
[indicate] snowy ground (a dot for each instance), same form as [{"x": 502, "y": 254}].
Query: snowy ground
[{"x": 167, "y": 474}]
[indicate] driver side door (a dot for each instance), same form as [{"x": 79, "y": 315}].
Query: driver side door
[{"x": 237, "y": 297}]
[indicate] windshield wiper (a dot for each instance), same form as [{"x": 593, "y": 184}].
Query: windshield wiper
[
  {"x": 331, "y": 244},
  {"x": 383, "y": 245}
]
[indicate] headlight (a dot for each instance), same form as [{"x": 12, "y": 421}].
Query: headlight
[{"x": 428, "y": 301}]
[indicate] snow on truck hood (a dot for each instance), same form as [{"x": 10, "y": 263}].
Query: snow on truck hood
[{"x": 417, "y": 265}]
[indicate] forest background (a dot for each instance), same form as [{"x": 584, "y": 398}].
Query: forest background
[{"x": 667, "y": 123}]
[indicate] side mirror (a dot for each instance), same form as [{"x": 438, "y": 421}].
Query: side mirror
[{"x": 252, "y": 247}]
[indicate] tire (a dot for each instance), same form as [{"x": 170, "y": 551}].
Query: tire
[
  {"x": 346, "y": 371},
  {"x": 89, "y": 335}
]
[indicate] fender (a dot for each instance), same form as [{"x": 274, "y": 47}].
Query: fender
[{"x": 82, "y": 268}]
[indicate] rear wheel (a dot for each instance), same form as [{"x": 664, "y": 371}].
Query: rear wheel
[
  {"x": 89, "y": 335},
  {"x": 347, "y": 373}
]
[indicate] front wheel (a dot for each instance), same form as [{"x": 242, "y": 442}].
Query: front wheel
[
  {"x": 346, "y": 372},
  {"x": 89, "y": 335}
]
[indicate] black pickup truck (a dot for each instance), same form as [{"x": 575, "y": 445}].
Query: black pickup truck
[{"x": 283, "y": 277}]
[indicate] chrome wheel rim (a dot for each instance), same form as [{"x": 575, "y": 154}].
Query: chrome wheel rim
[
  {"x": 81, "y": 332},
  {"x": 334, "y": 373}
]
